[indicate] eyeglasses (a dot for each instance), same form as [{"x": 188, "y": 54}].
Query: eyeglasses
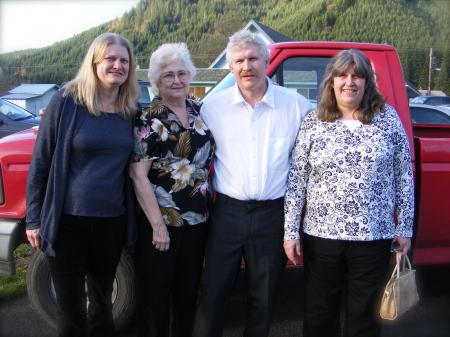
[{"x": 170, "y": 77}]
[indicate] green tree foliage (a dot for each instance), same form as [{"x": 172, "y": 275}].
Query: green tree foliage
[{"x": 412, "y": 26}]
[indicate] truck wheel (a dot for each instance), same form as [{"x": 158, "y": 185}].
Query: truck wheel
[{"x": 43, "y": 298}]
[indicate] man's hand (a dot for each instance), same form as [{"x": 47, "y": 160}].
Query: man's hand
[{"x": 292, "y": 250}]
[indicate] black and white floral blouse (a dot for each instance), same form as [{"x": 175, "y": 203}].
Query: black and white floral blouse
[
  {"x": 181, "y": 161},
  {"x": 352, "y": 180}
]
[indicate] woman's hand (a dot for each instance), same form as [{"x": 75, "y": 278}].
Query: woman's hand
[
  {"x": 292, "y": 250},
  {"x": 34, "y": 238},
  {"x": 404, "y": 244},
  {"x": 161, "y": 239},
  {"x": 147, "y": 199}
]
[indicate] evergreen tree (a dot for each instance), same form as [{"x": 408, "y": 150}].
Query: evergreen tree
[{"x": 412, "y": 26}]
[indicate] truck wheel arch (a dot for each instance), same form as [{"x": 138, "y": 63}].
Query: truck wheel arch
[{"x": 42, "y": 293}]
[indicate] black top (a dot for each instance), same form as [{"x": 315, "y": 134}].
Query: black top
[
  {"x": 181, "y": 161},
  {"x": 101, "y": 147}
]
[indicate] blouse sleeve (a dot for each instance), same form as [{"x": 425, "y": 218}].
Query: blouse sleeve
[
  {"x": 404, "y": 181},
  {"x": 148, "y": 130},
  {"x": 297, "y": 181}
]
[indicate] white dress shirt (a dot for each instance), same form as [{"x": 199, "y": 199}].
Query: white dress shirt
[{"x": 253, "y": 146}]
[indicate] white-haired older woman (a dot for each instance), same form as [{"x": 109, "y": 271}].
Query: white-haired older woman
[
  {"x": 78, "y": 211},
  {"x": 170, "y": 172}
]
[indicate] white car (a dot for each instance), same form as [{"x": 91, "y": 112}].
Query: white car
[{"x": 429, "y": 114}]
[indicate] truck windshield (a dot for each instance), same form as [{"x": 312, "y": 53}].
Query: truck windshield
[
  {"x": 13, "y": 111},
  {"x": 302, "y": 74}
]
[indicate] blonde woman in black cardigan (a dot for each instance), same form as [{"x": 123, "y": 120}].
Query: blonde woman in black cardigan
[{"x": 78, "y": 210}]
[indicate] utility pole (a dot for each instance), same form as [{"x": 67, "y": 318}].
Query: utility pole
[{"x": 430, "y": 70}]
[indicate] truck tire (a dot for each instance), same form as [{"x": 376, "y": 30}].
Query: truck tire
[{"x": 42, "y": 293}]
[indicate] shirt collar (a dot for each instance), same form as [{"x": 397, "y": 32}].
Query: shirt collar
[{"x": 267, "y": 99}]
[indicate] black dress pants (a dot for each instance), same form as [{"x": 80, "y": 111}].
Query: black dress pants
[
  {"x": 167, "y": 282},
  {"x": 327, "y": 263},
  {"x": 252, "y": 230},
  {"x": 88, "y": 250}
]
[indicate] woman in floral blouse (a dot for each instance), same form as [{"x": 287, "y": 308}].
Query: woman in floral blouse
[
  {"x": 170, "y": 173},
  {"x": 352, "y": 165}
]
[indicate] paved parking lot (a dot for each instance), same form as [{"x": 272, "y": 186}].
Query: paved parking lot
[{"x": 430, "y": 318}]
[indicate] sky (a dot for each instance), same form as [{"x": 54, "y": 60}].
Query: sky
[{"x": 40, "y": 23}]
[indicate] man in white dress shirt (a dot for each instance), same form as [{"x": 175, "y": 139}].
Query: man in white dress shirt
[{"x": 254, "y": 124}]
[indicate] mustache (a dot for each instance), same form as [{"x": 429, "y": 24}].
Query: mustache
[{"x": 247, "y": 73}]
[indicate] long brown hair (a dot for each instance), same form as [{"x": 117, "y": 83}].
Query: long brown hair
[
  {"x": 85, "y": 87},
  {"x": 372, "y": 102}
]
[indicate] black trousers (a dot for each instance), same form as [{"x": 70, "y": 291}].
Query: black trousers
[
  {"x": 88, "y": 250},
  {"x": 328, "y": 263},
  {"x": 167, "y": 282},
  {"x": 249, "y": 229}
]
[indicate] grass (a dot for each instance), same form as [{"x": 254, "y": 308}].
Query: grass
[{"x": 14, "y": 286}]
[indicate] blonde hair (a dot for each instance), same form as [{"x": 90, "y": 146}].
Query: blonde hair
[
  {"x": 85, "y": 87},
  {"x": 371, "y": 103}
]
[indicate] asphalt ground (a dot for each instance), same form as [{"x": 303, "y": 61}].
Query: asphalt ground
[{"x": 429, "y": 318}]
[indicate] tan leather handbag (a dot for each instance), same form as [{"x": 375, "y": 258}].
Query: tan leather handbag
[{"x": 400, "y": 294}]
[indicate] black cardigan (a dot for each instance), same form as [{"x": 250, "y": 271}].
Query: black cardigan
[{"x": 47, "y": 176}]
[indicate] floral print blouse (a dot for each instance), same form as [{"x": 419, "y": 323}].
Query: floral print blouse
[
  {"x": 352, "y": 180},
  {"x": 181, "y": 161}
]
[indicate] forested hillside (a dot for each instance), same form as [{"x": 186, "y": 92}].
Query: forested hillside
[{"x": 412, "y": 26}]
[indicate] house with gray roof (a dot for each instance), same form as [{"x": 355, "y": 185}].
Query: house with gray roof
[
  {"x": 32, "y": 97},
  {"x": 206, "y": 78},
  {"x": 266, "y": 33}
]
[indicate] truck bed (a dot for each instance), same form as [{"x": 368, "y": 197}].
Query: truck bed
[{"x": 432, "y": 168}]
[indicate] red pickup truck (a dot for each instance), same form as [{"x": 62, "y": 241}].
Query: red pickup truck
[{"x": 298, "y": 66}]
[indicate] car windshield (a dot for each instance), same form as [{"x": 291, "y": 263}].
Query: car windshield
[
  {"x": 14, "y": 112},
  {"x": 428, "y": 116},
  {"x": 226, "y": 82},
  {"x": 419, "y": 99},
  {"x": 146, "y": 94}
]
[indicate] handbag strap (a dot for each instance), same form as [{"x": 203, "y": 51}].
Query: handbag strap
[
  {"x": 407, "y": 260},
  {"x": 399, "y": 269}
]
